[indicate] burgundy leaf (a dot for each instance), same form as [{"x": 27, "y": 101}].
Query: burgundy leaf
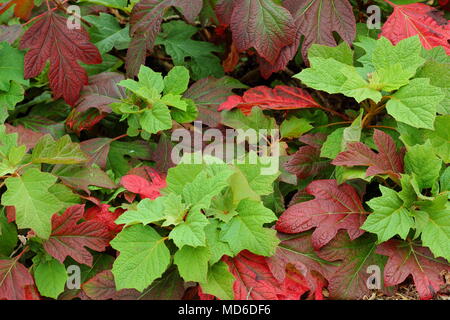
[
  {"x": 406, "y": 259},
  {"x": 146, "y": 19},
  {"x": 334, "y": 207},
  {"x": 14, "y": 280},
  {"x": 69, "y": 238},
  {"x": 387, "y": 161},
  {"x": 50, "y": 39}
]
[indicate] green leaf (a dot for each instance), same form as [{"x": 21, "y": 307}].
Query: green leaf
[
  {"x": 389, "y": 217},
  {"x": 256, "y": 120},
  {"x": 421, "y": 161},
  {"x": 143, "y": 257},
  {"x": 219, "y": 282},
  {"x": 187, "y": 116},
  {"x": 11, "y": 66},
  {"x": 203, "y": 188},
  {"x": 118, "y": 4},
  {"x": 246, "y": 232},
  {"x": 51, "y": 277},
  {"x": 34, "y": 204},
  {"x": 147, "y": 211},
  {"x": 176, "y": 81},
  {"x": 106, "y": 33},
  {"x": 440, "y": 137},
  {"x": 8, "y": 236},
  {"x": 216, "y": 247},
  {"x": 389, "y": 79},
  {"x": 295, "y": 127},
  {"x": 434, "y": 224},
  {"x": 176, "y": 39},
  {"x": 342, "y": 52},
  {"x": 62, "y": 151},
  {"x": 10, "y": 98},
  {"x": 150, "y": 79},
  {"x": 406, "y": 54},
  {"x": 415, "y": 104},
  {"x": 333, "y": 145},
  {"x": 439, "y": 74},
  {"x": 192, "y": 263},
  {"x": 190, "y": 232},
  {"x": 156, "y": 119}
]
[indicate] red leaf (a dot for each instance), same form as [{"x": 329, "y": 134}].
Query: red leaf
[
  {"x": 102, "y": 215},
  {"x": 263, "y": 25},
  {"x": 22, "y": 9},
  {"x": 255, "y": 281},
  {"x": 279, "y": 98},
  {"x": 335, "y": 207},
  {"x": 79, "y": 121},
  {"x": 50, "y": 39},
  {"x": 316, "y": 20},
  {"x": 146, "y": 188},
  {"x": 306, "y": 162},
  {"x": 230, "y": 63},
  {"x": 69, "y": 238},
  {"x": 103, "y": 287},
  {"x": 387, "y": 161},
  {"x": 146, "y": 18},
  {"x": 297, "y": 252},
  {"x": 409, "y": 259},
  {"x": 14, "y": 280},
  {"x": 417, "y": 19}
]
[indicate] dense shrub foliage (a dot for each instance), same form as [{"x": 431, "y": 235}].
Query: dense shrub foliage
[{"x": 128, "y": 168}]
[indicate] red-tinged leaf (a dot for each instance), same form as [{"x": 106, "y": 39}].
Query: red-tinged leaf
[
  {"x": 148, "y": 187},
  {"x": 69, "y": 238},
  {"x": 79, "y": 121},
  {"x": 224, "y": 10},
  {"x": 26, "y": 136},
  {"x": 315, "y": 140},
  {"x": 97, "y": 149},
  {"x": 297, "y": 252},
  {"x": 32, "y": 293},
  {"x": 14, "y": 280},
  {"x": 230, "y": 63},
  {"x": 316, "y": 20},
  {"x": 22, "y": 8},
  {"x": 102, "y": 215},
  {"x": 101, "y": 91},
  {"x": 406, "y": 258},
  {"x": 146, "y": 19},
  {"x": 255, "y": 281},
  {"x": 349, "y": 281},
  {"x": 81, "y": 178},
  {"x": 209, "y": 93},
  {"x": 419, "y": 19},
  {"x": 204, "y": 296},
  {"x": 306, "y": 162},
  {"x": 334, "y": 207},
  {"x": 279, "y": 98},
  {"x": 163, "y": 154},
  {"x": 10, "y": 213},
  {"x": 10, "y": 33},
  {"x": 263, "y": 25},
  {"x": 103, "y": 287},
  {"x": 49, "y": 38},
  {"x": 387, "y": 161}
]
